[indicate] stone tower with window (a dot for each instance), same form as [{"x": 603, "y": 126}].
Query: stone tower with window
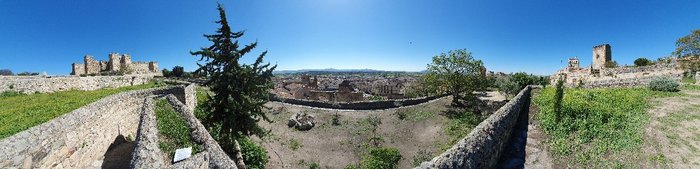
[{"x": 602, "y": 54}]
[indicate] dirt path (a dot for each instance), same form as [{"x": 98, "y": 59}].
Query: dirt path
[
  {"x": 672, "y": 137},
  {"x": 536, "y": 150}
]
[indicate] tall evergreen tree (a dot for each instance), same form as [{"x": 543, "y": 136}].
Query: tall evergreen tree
[{"x": 239, "y": 90}]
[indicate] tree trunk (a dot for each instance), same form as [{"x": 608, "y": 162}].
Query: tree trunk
[{"x": 239, "y": 157}]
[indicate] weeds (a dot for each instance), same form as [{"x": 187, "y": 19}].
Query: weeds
[{"x": 595, "y": 123}]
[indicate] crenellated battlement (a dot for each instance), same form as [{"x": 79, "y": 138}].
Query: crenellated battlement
[{"x": 116, "y": 63}]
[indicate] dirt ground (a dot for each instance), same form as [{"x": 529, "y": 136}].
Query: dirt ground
[
  {"x": 673, "y": 134},
  {"x": 672, "y": 137},
  {"x": 336, "y": 146},
  {"x": 536, "y": 149}
]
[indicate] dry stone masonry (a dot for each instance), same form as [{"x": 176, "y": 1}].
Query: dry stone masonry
[
  {"x": 483, "y": 147},
  {"x": 32, "y": 84},
  {"x": 84, "y": 137},
  {"x": 116, "y": 63},
  {"x": 598, "y": 75}
]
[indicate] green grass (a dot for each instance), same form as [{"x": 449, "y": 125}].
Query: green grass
[
  {"x": 596, "y": 123},
  {"x": 459, "y": 127},
  {"x": 690, "y": 87},
  {"x": 19, "y": 112},
  {"x": 413, "y": 114},
  {"x": 688, "y": 80},
  {"x": 173, "y": 129}
]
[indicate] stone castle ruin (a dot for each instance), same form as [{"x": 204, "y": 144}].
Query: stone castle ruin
[
  {"x": 117, "y": 64},
  {"x": 602, "y": 54},
  {"x": 600, "y": 75}
]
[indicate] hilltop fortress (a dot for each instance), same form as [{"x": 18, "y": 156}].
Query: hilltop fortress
[
  {"x": 603, "y": 73},
  {"x": 118, "y": 63}
]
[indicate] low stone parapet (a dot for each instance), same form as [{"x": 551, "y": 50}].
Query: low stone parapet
[
  {"x": 361, "y": 105},
  {"x": 83, "y": 137},
  {"x": 32, "y": 84},
  {"x": 482, "y": 148}
]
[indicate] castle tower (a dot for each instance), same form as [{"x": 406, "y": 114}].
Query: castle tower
[
  {"x": 602, "y": 54},
  {"x": 573, "y": 64},
  {"x": 77, "y": 69},
  {"x": 125, "y": 61},
  {"x": 92, "y": 66},
  {"x": 153, "y": 67},
  {"x": 113, "y": 63}
]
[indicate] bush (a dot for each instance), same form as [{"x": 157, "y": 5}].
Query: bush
[
  {"x": 512, "y": 84},
  {"x": 254, "y": 156},
  {"x": 336, "y": 119},
  {"x": 381, "y": 158},
  {"x": 178, "y": 71},
  {"x": 663, "y": 84},
  {"x": 642, "y": 62},
  {"x": 167, "y": 73},
  {"x": 294, "y": 144}
]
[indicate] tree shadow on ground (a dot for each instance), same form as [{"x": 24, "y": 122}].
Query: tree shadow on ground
[
  {"x": 119, "y": 153},
  {"x": 472, "y": 103}
]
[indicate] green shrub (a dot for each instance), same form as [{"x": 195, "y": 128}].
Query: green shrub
[
  {"x": 401, "y": 113},
  {"x": 352, "y": 166},
  {"x": 663, "y": 84},
  {"x": 294, "y": 144},
  {"x": 254, "y": 156},
  {"x": 643, "y": 62},
  {"x": 381, "y": 158},
  {"x": 310, "y": 164},
  {"x": 376, "y": 97},
  {"x": 336, "y": 119}
]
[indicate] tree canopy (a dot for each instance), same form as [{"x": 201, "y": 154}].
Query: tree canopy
[
  {"x": 688, "y": 45},
  {"x": 239, "y": 90},
  {"x": 178, "y": 71},
  {"x": 455, "y": 72},
  {"x": 642, "y": 62}
]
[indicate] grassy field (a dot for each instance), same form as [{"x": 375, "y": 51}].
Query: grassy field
[
  {"x": 596, "y": 124},
  {"x": 174, "y": 133},
  {"x": 19, "y": 112}
]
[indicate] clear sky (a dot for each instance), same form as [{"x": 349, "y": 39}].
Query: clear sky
[{"x": 509, "y": 36}]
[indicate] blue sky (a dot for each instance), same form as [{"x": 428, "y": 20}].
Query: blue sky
[{"x": 509, "y": 36}]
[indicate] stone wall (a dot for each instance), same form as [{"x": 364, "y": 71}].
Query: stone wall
[
  {"x": 362, "y": 105},
  {"x": 627, "y": 82},
  {"x": 620, "y": 76},
  {"x": 81, "y": 138},
  {"x": 31, "y": 84},
  {"x": 482, "y": 148},
  {"x": 92, "y": 66},
  {"x": 147, "y": 154},
  {"x": 78, "y": 69},
  {"x": 139, "y": 67}
]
